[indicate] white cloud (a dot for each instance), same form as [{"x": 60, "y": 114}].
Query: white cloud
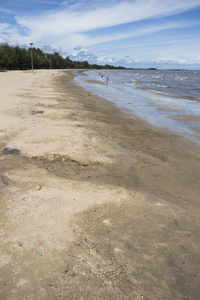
[
  {"x": 119, "y": 13},
  {"x": 9, "y": 34},
  {"x": 4, "y": 26},
  {"x": 133, "y": 33},
  {"x": 70, "y": 24},
  {"x": 197, "y": 60},
  {"x": 8, "y": 11},
  {"x": 77, "y": 48},
  {"x": 170, "y": 60},
  {"x": 77, "y": 23}
]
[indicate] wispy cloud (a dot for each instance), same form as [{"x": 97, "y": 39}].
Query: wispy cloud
[
  {"x": 67, "y": 24},
  {"x": 72, "y": 26},
  {"x": 8, "y": 11},
  {"x": 135, "y": 32},
  {"x": 73, "y": 20}
]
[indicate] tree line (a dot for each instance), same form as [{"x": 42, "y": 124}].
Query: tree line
[{"x": 16, "y": 58}]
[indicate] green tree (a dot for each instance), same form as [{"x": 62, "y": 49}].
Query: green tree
[
  {"x": 12, "y": 58},
  {"x": 8, "y": 57},
  {"x": 58, "y": 62}
]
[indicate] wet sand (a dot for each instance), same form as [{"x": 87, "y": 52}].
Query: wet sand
[
  {"x": 95, "y": 203},
  {"x": 174, "y": 110},
  {"x": 95, "y": 81},
  {"x": 185, "y": 118}
]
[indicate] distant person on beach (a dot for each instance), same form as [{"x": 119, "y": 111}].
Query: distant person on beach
[{"x": 107, "y": 80}]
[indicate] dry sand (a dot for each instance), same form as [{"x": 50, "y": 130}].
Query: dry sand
[{"x": 95, "y": 203}]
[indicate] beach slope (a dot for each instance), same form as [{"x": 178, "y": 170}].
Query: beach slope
[{"x": 95, "y": 202}]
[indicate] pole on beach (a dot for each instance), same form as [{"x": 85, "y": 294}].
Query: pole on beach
[{"x": 31, "y": 56}]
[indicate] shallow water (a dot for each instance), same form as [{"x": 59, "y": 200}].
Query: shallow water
[{"x": 154, "y": 95}]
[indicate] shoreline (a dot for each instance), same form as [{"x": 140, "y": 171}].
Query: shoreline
[
  {"x": 96, "y": 203},
  {"x": 156, "y": 111},
  {"x": 149, "y": 140}
]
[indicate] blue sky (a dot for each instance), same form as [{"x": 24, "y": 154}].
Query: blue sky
[{"x": 131, "y": 33}]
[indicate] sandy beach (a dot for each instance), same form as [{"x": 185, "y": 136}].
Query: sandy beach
[{"x": 95, "y": 202}]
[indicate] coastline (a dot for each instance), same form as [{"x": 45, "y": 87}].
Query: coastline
[
  {"x": 156, "y": 110},
  {"x": 96, "y": 202}
]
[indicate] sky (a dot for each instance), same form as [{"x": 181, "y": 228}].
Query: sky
[{"x": 163, "y": 34}]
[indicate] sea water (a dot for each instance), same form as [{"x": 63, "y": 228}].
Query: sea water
[{"x": 154, "y": 95}]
